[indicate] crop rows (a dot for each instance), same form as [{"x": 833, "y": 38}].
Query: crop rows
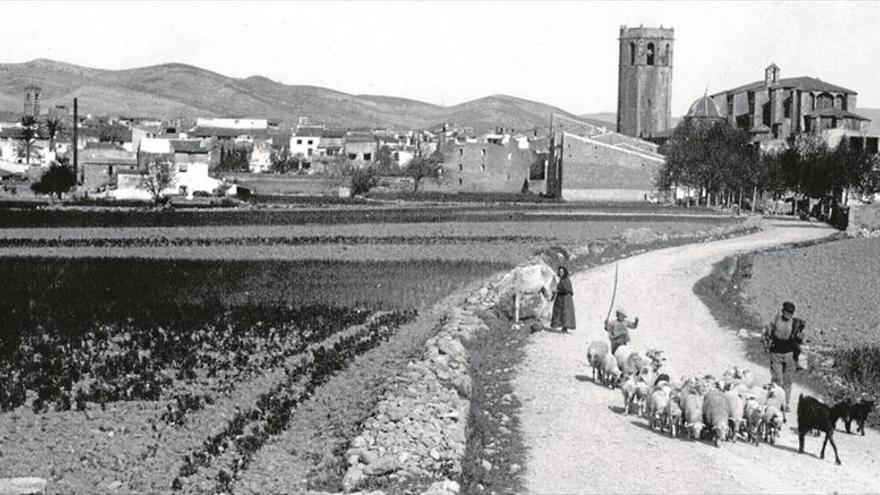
[
  {"x": 234, "y": 447},
  {"x": 128, "y": 361},
  {"x": 259, "y": 241}
]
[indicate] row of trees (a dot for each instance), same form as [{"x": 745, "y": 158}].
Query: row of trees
[{"x": 723, "y": 162}]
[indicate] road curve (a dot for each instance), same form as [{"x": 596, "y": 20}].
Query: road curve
[{"x": 579, "y": 442}]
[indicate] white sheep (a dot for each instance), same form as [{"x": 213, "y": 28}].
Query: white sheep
[
  {"x": 759, "y": 393},
  {"x": 736, "y": 406},
  {"x": 657, "y": 402},
  {"x": 754, "y": 414},
  {"x": 622, "y": 354},
  {"x": 647, "y": 375},
  {"x": 610, "y": 372},
  {"x": 776, "y": 399},
  {"x": 640, "y": 398},
  {"x": 773, "y": 420},
  {"x": 628, "y": 389},
  {"x": 672, "y": 416},
  {"x": 595, "y": 356},
  {"x": 692, "y": 412},
  {"x": 716, "y": 414},
  {"x": 634, "y": 363},
  {"x": 656, "y": 357}
]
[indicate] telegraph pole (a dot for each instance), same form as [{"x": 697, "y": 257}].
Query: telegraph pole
[{"x": 75, "y": 138}]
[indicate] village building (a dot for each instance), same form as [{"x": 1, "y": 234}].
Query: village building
[
  {"x": 191, "y": 159},
  {"x": 305, "y": 141},
  {"x": 360, "y": 149},
  {"x": 482, "y": 167},
  {"x": 331, "y": 142},
  {"x": 260, "y": 160},
  {"x": 100, "y": 163}
]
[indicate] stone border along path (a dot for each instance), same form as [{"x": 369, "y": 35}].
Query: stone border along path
[{"x": 578, "y": 440}]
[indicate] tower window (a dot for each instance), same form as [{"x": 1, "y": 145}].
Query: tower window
[
  {"x": 667, "y": 57},
  {"x": 632, "y": 54},
  {"x": 650, "y": 53}
]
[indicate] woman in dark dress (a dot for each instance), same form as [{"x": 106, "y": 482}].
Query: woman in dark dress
[{"x": 563, "y": 304}]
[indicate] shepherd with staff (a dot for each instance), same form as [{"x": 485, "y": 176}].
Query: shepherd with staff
[{"x": 618, "y": 330}]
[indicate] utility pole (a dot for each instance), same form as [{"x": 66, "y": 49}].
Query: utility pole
[{"x": 75, "y": 138}]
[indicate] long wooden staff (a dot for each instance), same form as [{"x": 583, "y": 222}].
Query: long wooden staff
[{"x": 613, "y": 293}]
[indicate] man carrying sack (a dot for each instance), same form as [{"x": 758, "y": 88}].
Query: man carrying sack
[{"x": 783, "y": 337}]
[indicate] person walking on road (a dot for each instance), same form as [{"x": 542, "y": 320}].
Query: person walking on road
[
  {"x": 618, "y": 331},
  {"x": 783, "y": 337},
  {"x": 563, "y": 303}
]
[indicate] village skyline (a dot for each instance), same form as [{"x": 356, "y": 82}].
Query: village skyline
[{"x": 449, "y": 53}]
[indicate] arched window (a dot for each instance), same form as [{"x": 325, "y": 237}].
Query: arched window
[
  {"x": 667, "y": 58},
  {"x": 825, "y": 100},
  {"x": 838, "y": 102},
  {"x": 632, "y": 54},
  {"x": 650, "y": 53}
]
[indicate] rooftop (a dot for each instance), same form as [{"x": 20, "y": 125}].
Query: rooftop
[
  {"x": 187, "y": 146},
  {"x": 802, "y": 83},
  {"x": 835, "y": 112}
]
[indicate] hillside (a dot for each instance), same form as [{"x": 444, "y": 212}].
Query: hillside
[{"x": 179, "y": 90}]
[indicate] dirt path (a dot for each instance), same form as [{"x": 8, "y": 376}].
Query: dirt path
[{"x": 578, "y": 440}]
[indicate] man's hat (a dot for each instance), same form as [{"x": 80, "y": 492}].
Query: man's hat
[
  {"x": 621, "y": 312},
  {"x": 788, "y": 306}
]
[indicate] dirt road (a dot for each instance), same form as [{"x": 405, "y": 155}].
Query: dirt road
[{"x": 578, "y": 440}]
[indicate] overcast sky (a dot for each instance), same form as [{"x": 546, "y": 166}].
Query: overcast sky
[{"x": 562, "y": 53}]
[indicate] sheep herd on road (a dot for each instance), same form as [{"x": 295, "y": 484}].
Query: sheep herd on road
[{"x": 718, "y": 409}]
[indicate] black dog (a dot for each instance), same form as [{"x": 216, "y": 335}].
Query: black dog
[{"x": 857, "y": 411}]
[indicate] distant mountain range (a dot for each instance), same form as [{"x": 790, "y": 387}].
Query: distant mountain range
[{"x": 178, "y": 90}]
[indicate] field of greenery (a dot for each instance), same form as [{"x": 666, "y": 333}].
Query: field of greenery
[{"x": 148, "y": 352}]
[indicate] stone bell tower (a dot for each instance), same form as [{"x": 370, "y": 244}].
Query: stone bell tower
[
  {"x": 644, "y": 84},
  {"x": 32, "y": 101}
]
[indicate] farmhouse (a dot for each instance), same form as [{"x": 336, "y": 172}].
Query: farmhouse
[
  {"x": 305, "y": 141},
  {"x": 360, "y": 148},
  {"x": 100, "y": 164}
]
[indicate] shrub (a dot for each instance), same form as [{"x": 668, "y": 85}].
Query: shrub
[{"x": 362, "y": 180}]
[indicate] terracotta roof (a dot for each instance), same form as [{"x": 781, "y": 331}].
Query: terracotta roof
[
  {"x": 802, "y": 83},
  {"x": 835, "y": 112}
]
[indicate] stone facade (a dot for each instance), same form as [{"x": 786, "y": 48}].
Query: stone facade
[
  {"x": 644, "y": 91},
  {"x": 608, "y": 167},
  {"x": 483, "y": 167}
]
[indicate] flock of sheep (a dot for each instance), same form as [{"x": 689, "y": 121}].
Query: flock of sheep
[{"x": 696, "y": 407}]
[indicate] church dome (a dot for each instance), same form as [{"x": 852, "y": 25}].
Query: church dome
[{"x": 704, "y": 108}]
